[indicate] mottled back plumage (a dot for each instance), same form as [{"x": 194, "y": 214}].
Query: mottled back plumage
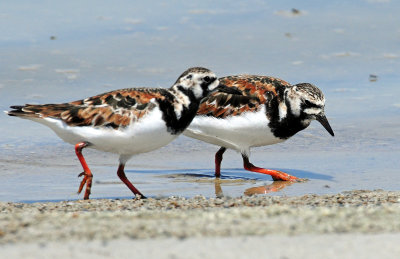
[
  {"x": 127, "y": 121},
  {"x": 113, "y": 109},
  {"x": 243, "y": 93}
]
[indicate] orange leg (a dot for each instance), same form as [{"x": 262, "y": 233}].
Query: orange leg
[
  {"x": 122, "y": 176},
  {"x": 276, "y": 175},
  {"x": 87, "y": 174},
  {"x": 218, "y": 160}
]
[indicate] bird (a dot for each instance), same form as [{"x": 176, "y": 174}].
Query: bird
[
  {"x": 250, "y": 111},
  {"x": 126, "y": 121}
]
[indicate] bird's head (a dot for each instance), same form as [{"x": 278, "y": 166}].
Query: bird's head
[
  {"x": 200, "y": 81},
  {"x": 308, "y": 102}
]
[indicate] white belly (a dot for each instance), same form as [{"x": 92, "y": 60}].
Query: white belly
[
  {"x": 236, "y": 132},
  {"x": 148, "y": 134}
]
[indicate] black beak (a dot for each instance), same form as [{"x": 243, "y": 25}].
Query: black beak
[{"x": 324, "y": 121}]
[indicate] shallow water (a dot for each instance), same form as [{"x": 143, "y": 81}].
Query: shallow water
[{"x": 53, "y": 53}]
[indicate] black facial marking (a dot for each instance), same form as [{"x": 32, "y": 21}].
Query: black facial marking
[
  {"x": 308, "y": 104},
  {"x": 204, "y": 87},
  {"x": 288, "y": 126},
  {"x": 185, "y": 91},
  {"x": 205, "y": 84},
  {"x": 175, "y": 125}
]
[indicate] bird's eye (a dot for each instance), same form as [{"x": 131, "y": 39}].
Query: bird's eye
[
  {"x": 207, "y": 79},
  {"x": 189, "y": 77}
]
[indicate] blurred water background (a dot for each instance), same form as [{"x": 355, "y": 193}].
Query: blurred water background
[{"x": 58, "y": 51}]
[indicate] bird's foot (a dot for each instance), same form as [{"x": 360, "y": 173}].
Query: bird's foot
[
  {"x": 139, "y": 197},
  {"x": 87, "y": 179},
  {"x": 282, "y": 176}
]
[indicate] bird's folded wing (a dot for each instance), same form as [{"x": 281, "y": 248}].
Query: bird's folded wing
[
  {"x": 221, "y": 105},
  {"x": 114, "y": 109}
]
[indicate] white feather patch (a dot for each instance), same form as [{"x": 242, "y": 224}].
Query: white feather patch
[
  {"x": 147, "y": 134},
  {"x": 282, "y": 110},
  {"x": 241, "y": 132}
]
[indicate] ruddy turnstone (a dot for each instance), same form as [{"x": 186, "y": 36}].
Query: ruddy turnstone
[
  {"x": 126, "y": 121},
  {"x": 250, "y": 111}
]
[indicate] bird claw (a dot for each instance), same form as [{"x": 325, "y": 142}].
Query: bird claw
[
  {"x": 139, "y": 197},
  {"x": 87, "y": 179},
  {"x": 287, "y": 177}
]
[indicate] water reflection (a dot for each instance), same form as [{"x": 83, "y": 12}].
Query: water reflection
[
  {"x": 228, "y": 181},
  {"x": 263, "y": 189}
]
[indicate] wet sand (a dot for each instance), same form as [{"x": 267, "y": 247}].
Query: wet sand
[{"x": 355, "y": 222}]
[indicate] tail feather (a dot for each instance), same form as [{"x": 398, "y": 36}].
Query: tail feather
[
  {"x": 17, "y": 107},
  {"x": 18, "y": 110},
  {"x": 32, "y": 110}
]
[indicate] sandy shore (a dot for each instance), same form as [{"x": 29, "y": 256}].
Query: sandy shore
[{"x": 160, "y": 227}]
